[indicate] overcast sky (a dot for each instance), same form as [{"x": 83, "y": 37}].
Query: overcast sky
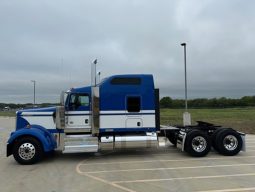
[{"x": 54, "y": 43}]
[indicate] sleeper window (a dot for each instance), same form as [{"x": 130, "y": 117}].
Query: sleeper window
[
  {"x": 133, "y": 104},
  {"x": 126, "y": 81}
]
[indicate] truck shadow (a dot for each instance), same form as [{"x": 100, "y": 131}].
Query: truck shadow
[{"x": 118, "y": 154}]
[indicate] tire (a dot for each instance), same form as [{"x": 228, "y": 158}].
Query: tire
[
  {"x": 229, "y": 142},
  {"x": 214, "y": 136},
  {"x": 27, "y": 150},
  {"x": 197, "y": 143},
  {"x": 172, "y": 138}
]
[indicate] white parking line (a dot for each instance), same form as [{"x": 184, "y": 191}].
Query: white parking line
[
  {"x": 231, "y": 190},
  {"x": 117, "y": 184},
  {"x": 106, "y": 182},
  {"x": 170, "y": 168},
  {"x": 184, "y": 178},
  {"x": 169, "y": 160},
  {"x": 100, "y": 179}
]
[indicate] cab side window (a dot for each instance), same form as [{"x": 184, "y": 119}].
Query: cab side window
[{"x": 79, "y": 101}]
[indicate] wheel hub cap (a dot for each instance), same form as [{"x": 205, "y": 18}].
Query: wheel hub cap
[
  {"x": 230, "y": 142},
  {"x": 199, "y": 144},
  {"x": 27, "y": 151}
]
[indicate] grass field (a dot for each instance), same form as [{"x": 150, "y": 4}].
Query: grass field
[
  {"x": 7, "y": 113},
  {"x": 242, "y": 119}
]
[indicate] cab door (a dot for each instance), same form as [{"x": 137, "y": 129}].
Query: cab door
[
  {"x": 134, "y": 118},
  {"x": 78, "y": 111}
]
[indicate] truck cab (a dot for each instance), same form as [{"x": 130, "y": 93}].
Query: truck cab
[
  {"x": 121, "y": 111},
  {"x": 121, "y": 103}
]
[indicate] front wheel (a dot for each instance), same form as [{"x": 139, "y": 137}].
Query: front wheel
[
  {"x": 27, "y": 150},
  {"x": 197, "y": 143}
]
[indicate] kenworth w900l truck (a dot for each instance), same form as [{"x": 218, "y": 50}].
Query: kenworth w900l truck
[{"x": 120, "y": 112}]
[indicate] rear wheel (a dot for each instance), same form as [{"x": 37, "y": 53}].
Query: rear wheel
[
  {"x": 214, "y": 136},
  {"x": 197, "y": 143},
  {"x": 27, "y": 150},
  {"x": 229, "y": 142}
]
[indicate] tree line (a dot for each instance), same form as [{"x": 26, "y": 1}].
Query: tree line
[
  {"x": 223, "y": 102},
  {"x": 168, "y": 102}
]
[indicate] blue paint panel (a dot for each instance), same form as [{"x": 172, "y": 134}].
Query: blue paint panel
[
  {"x": 55, "y": 130},
  {"x": 21, "y": 123},
  {"x": 81, "y": 90},
  {"x": 113, "y": 97},
  {"x": 44, "y": 136}
]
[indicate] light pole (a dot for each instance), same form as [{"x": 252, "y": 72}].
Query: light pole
[
  {"x": 185, "y": 71},
  {"x": 33, "y": 81},
  {"x": 186, "y": 114}
]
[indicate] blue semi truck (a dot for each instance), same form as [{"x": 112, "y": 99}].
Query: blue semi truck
[{"x": 122, "y": 111}]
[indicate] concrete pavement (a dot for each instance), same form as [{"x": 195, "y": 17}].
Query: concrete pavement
[{"x": 140, "y": 170}]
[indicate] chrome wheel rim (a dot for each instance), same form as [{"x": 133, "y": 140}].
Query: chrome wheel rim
[
  {"x": 199, "y": 144},
  {"x": 230, "y": 142},
  {"x": 27, "y": 151}
]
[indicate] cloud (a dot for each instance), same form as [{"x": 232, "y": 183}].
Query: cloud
[{"x": 54, "y": 43}]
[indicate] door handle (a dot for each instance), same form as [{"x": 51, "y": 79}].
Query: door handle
[
  {"x": 86, "y": 121},
  {"x": 138, "y": 124}
]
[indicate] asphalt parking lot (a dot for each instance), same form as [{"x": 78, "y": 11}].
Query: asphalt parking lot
[{"x": 162, "y": 169}]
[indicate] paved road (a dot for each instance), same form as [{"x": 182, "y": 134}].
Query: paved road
[{"x": 163, "y": 169}]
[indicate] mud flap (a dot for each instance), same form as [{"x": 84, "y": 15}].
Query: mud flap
[
  {"x": 181, "y": 140},
  {"x": 8, "y": 150},
  {"x": 243, "y": 139}
]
